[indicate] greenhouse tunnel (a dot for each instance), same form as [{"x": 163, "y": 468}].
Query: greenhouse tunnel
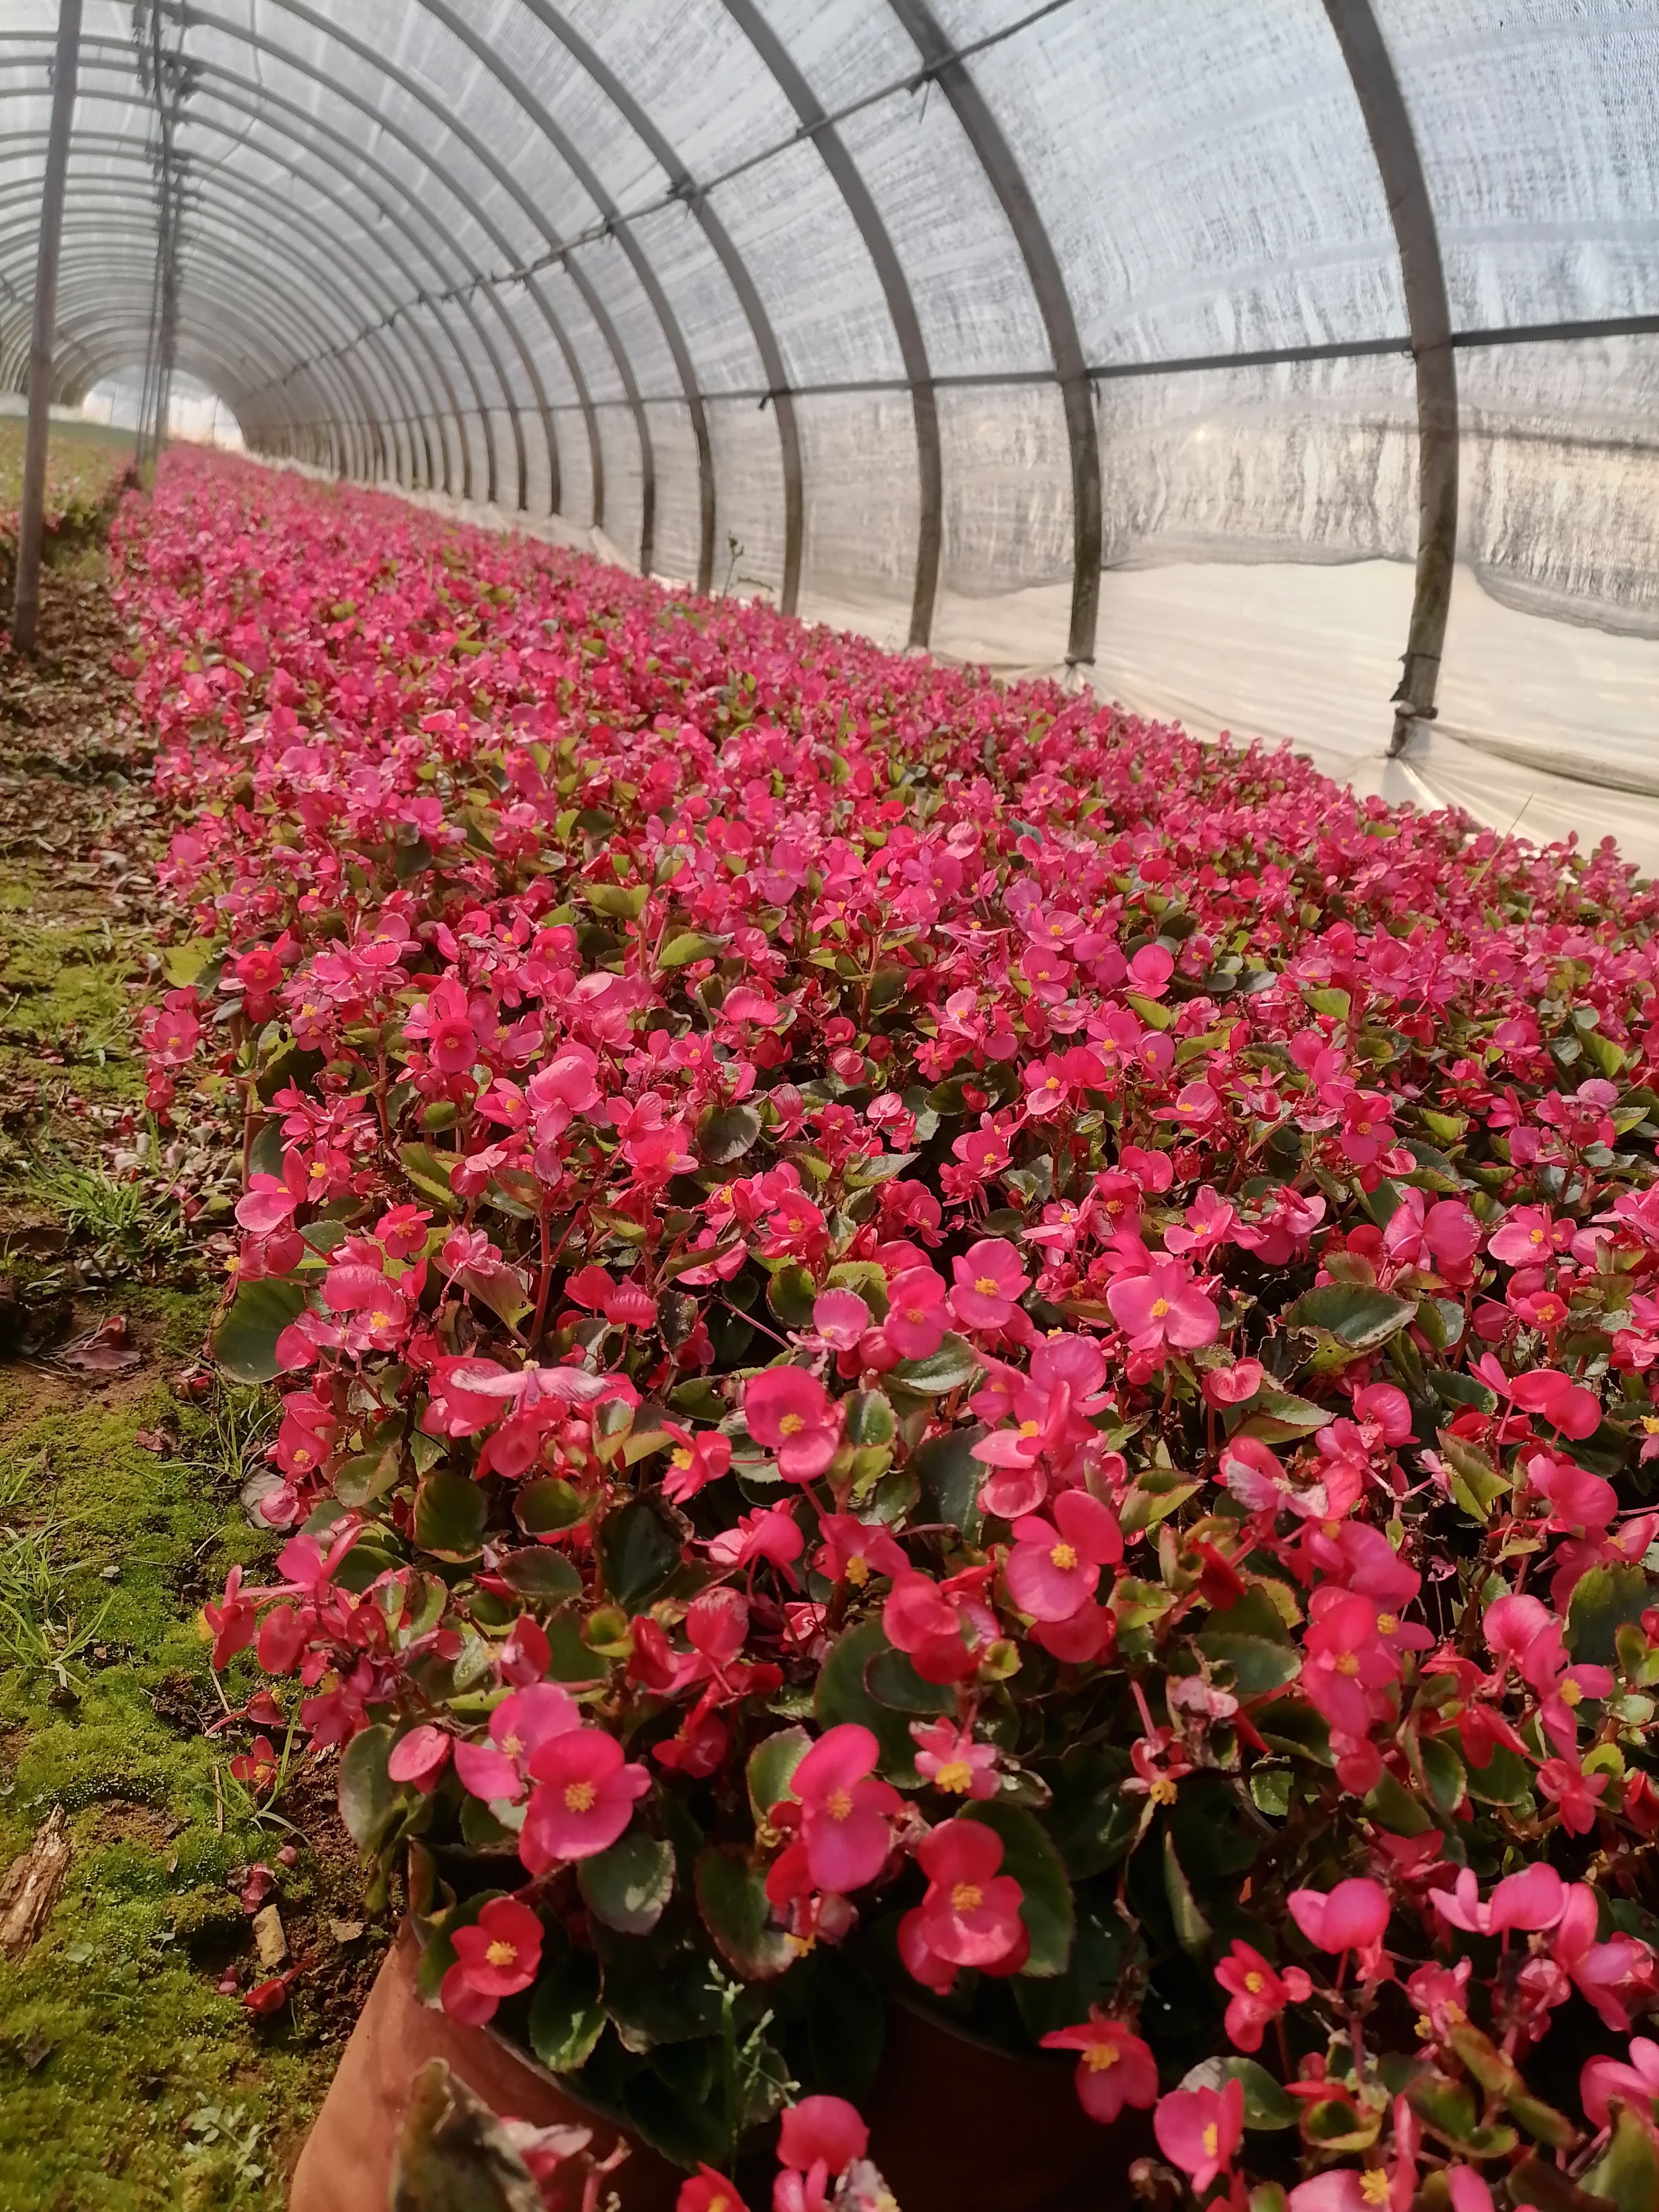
[{"x": 1259, "y": 363}]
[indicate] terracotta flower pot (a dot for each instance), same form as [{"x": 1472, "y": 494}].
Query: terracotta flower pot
[
  {"x": 953, "y": 2120},
  {"x": 346, "y": 2165}
]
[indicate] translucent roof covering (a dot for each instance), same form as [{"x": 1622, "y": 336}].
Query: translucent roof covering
[{"x": 1233, "y": 353}]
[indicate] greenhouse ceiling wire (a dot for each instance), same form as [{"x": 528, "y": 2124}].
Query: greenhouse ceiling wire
[{"x": 940, "y": 317}]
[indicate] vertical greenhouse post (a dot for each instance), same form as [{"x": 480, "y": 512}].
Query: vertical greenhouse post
[{"x": 32, "y": 517}]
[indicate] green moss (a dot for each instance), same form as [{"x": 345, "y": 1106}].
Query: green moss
[
  {"x": 66, "y": 994},
  {"x": 113, "y": 2037}
]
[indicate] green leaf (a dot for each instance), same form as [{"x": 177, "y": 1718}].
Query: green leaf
[
  {"x": 1046, "y": 1907},
  {"x": 542, "y": 1508},
  {"x": 566, "y": 2017},
  {"x": 1627, "y": 2172},
  {"x": 1279, "y": 1417},
  {"x": 688, "y": 945},
  {"x": 369, "y": 1803},
  {"x": 1258, "y": 1665},
  {"x": 1603, "y": 1601},
  {"x": 1505, "y": 1780},
  {"x": 1443, "y": 1771},
  {"x": 629, "y": 1886},
  {"x": 843, "y": 1694},
  {"x": 1192, "y": 1928},
  {"x": 182, "y": 963},
  {"x": 368, "y": 1476},
  {"x": 245, "y": 1342},
  {"x": 428, "y": 1174},
  {"x": 955, "y": 1363},
  {"x": 621, "y": 902},
  {"x": 1476, "y": 1483},
  {"x": 724, "y": 1133},
  {"x": 1358, "y": 1316},
  {"x": 869, "y": 1418},
  {"x": 638, "y": 1551},
  {"x": 791, "y": 1294},
  {"x": 951, "y": 1477},
  {"x": 738, "y": 1915},
  {"x": 772, "y": 1765},
  {"x": 893, "y": 1682},
  {"x": 539, "y": 1573},
  {"x": 450, "y": 1513},
  {"x": 1266, "y": 2105}
]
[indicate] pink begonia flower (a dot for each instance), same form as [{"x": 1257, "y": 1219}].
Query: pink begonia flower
[
  {"x": 916, "y": 1317},
  {"x": 788, "y": 1411},
  {"x": 841, "y": 1318},
  {"x": 989, "y": 1284},
  {"x": 709, "y": 2191},
  {"x": 1053, "y": 1570},
  {"x": 1469, "y": 2193},
  {"x": 772, "y": 1533},
  {"x": 826, "y": 2129},
  {"x": 693, "y": 1462},
  {"x": 970, "y": 1915},
  {"x": 854, "y": 1550},
  {"x": 1114, "y": 2068},
  {"x": 1352, "y": 1917},
  {"x": 1617, "y": 1978},
  {"x": 1576, "y": 1793},
  {"x": 1163, "y": 1307},
  {"x": 1526, "y": 1235},
  {"x": 1635, "y": 2082},
  {"x": 267, "y": 1204},
  {"x": 1199, "y": 2129},
  {"x": 583, "y": 1800},
  {"x": 1234, "y": 1385},
  {"x": 1533, "y": 1899},
  {"x": 520, "y": 1725},
  {"x": 500, "y": 1954},
  {"x": 1258, "y": 1993},
  {"x": 420, "y": 1757},
  {"x": 948, "y": 1757},
  {"x": 846, "y": 1813}
]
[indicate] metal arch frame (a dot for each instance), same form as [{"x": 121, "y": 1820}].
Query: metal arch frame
[
  {"x": 343, "y": 395},
  {"x": 437, "y": 412},
  {"x": 423, "y": 156},
  {"x": 639, "y": 262},
  {"x": 117, "y": 324},
  {"x": 1007, "y": 180},
  {"x": 191, "y": 14},
  {"x": 480, "y": 153},
  {"x": 896, "y": 289},
  {"x": 116, "y": 149},
  {"x": 1428, "y": 316},
  {"x": 682, "y": 186}
]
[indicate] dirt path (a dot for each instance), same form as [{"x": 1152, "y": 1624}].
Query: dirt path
[{"x": 131, "y": 2075}]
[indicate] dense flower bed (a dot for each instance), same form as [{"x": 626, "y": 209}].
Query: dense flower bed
[{"x": 928, "y": 1336}]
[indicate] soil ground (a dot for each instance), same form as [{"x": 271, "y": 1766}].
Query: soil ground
[{"x": 128, "y": 2078}]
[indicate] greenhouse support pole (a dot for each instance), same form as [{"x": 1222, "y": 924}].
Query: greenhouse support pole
[
  {"x": 31, "y": 524},
  {"x": 1428, "y": 313}
]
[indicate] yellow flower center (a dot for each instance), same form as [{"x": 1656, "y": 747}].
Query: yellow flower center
[
  {"x": 378, "y": 1319},
  {"x": 1063, "y": 1557},
  {"x": 501, "y": 1954},
  {"x": 1374, "y": 2186},
  {"x": 858, "y": 1570},
  {"x": 578, "y": 1796},
  {"x": 916, "y": 1313},
  {"x": 1571, "y": 1693},
  {"x": 679, "y": 1457},
  {"x": 1212, "y": 2140},
  {"x": 1536, "y": 1237},
  {"x": 792, "y": 1425},
  {"x": 957, "y": 1775},
  {"x": 1347, "y": 1663},
  {"x": 1386, "y": 1622},
  {"x": 1255, "y": 1984},
  {"x": 1099, "y": 2056},
  {"x": 967, "y": 1897},
  {"x": 1651, "y": 1422},
  {"x": 985, "y": 1285},
  {"x": 1163, "y": 1791},
  {"x": 1031, "y": 1428},
  {"x": 512, "y": 1746},
  {"x": 838, "y": 1804},
  {"x": 1160, "y": 1307}
]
